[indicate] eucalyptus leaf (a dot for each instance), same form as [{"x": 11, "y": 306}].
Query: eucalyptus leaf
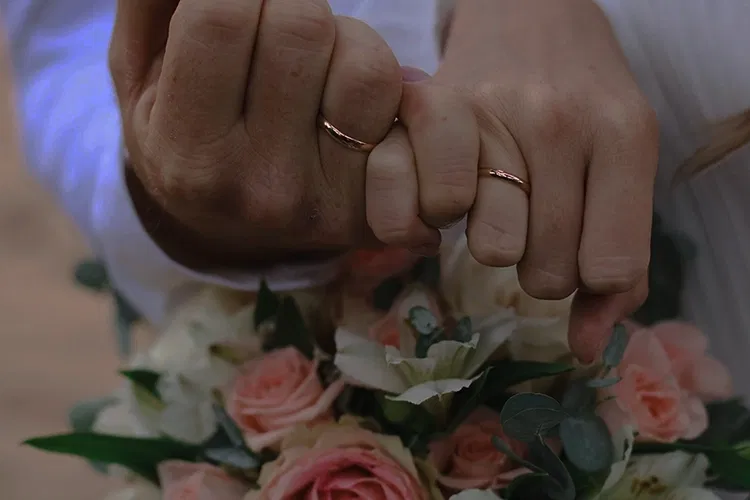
[
  {"x": 145, "y": 379},
  {"x": 422, "y": 321},
  {"x": 528, "y": 486},
  {"x": 266, "y": 306},
  {"x": 290, "y": 330},
  {"x": 92, "y": 274},
  {"x": 126, "y": 317},
  {"x": 508, "y": 373},
  {"x": 468, "y": 400},
  {"x": 235, "y": 458},
  {"x": 580, "y": 398},
  {"x": 615, "y": 349},
  {"x": 140, "y": 455},
  {"x": 587, "y": 443},
  {"x": 506, "y": 450},
  {"x": 463, "y": 331},
  {"x": 603, "y": 383},
  {"x": 563, "y": 487},
  {"x": 528, "y": 415},
  {"x": 230, "y": 428}
]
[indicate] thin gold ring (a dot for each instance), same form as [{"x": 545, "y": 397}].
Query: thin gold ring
[
  {"x": 345, "y": 140},
  {"x": 507, "y": 177}
]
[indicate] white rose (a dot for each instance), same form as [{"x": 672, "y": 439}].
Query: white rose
[
  {"x": 478, "y": 291},
  {"x": 674, "y": 476}
]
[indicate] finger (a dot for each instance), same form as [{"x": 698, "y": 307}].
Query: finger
[
  {"x": 139, "y": 34},
  {"x": 392, "y": 196},
  {"x": 497, "y": 228},
  {"x": 288, "y": 75},
  {"x": 445, "y": 136},
  {"x": 549, "y": 267},
  {"x": 615, "y": 251},
  {"x": 593, "y": 316},
  {"x": 363, "y": 70},
  {"x": 204, "y": 74}
]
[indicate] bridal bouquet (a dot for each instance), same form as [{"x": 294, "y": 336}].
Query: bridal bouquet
[{"x": 414, "y": 378}]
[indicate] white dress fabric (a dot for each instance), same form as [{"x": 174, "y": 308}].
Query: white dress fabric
[{"x": 692, "y": 58}]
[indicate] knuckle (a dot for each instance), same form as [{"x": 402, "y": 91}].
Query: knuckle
[
  {"x": 613, "y": 274},
  {"x": 302, "y": 24},
  {"x": 490, "y": 245},
  {"x": 391, "y": 230},
  {"x": 550, "y": 114},
  {"x": 447, "y": 199},
  {"x": 546, "y": 285},
  {"x": 632, "y": 118},
  {"x": 224, "y": 21}
]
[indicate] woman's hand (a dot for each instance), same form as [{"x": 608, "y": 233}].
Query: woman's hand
[
  {"x": 538, "y": 89},
  {"x": 220, "y": 101}
]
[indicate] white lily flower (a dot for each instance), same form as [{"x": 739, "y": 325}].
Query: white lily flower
[
  {"x": 449, "y": 365},
  {"x": 674, "y": 476}
]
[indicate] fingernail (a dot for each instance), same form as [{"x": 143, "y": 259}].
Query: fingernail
[{"x": 412, "y": 74}]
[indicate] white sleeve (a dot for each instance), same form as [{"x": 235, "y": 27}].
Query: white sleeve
[
  {"x": 690, "y": 58},
  {"x": 72, "y": 142}
]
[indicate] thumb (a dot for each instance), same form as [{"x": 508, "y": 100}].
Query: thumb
[{"x": 593, "y": 317}]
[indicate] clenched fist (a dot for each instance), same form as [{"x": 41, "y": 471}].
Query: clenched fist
[{"x": 220, "y": 101}]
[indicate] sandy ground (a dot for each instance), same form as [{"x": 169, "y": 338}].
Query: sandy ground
[{"x": 57, "y": 347}]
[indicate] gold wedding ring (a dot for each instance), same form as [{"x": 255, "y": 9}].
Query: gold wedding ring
[
  {"x": 507, "y": 177},
  {"x": 347, "y": 141}
]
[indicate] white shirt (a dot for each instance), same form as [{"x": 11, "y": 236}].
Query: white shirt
[{"x": 72, "y": 138}]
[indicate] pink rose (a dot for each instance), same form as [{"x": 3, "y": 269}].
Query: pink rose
[
  {"x": 696, "y": 371},
  {"x": 368, "y": 268},
  {"x": 189, "y": 481},
  {"x": 390, "y": 329},
  {"x": 341, "y": 461},
  {"x": 276, "y": 392},
  {"x": 467, "y": 459},
  {"x": 649, "y": 397}
]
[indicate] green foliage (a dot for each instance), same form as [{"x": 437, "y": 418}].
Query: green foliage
[
  {"x": 146, "y": 380},
  {"x": 290, "y": 328},
  {"x": 266, "y": 306},
  {"x": 616, "y": 346},
  {"x": 92, "y": 274},
  {"x": 82, "y": 418},
  {"x": 140, "y": 455}
]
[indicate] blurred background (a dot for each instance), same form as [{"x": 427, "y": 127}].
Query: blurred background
[{"x": 57, "y": 346}]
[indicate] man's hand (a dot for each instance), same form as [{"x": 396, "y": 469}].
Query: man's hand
[{"x": 219, "y": 102}]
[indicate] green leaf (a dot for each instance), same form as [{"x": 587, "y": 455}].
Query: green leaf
[
  {"x": 92, "y": 274},
  {"x": 82, "y": 418},
  {"x": 140, "y": 455},
  {"x": 427, "y": 272},
  {"x": 528, "y": 486},
  {"x": 528, "y": 415},
  {"x": 290, "y": 330},
  {"x": 587, "y": 443},
  {"x": 266, "y": 306},
  {"x": 463, "y": 331},
  {"x": 729, "y": 422},
  {"x": 547, "y": 460},
  {"x": 580, "y": 398},
  {"x": 603, "y": 383},
  {"x": 386, "y": 292},
  {"x": 423, "y": 321},
  {"x": 235, "y": 458},
  {"x": 230, "y": 428},
  {"x": 616, "y": 348},
  {"x": 147, "y": 380},
  {"x": 732, "y": 466},
  {"x": 506, "y": 450},
  {"x": 125, "y": 318},
  {"x": 468, "y": 400}
]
